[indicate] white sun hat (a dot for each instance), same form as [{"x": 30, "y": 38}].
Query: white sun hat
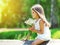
[{"x": 41, "y": 13}]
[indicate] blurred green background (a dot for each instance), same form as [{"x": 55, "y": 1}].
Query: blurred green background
[
  {"x": 13, "y": 14},
  {"x": 19, "y": 35}
]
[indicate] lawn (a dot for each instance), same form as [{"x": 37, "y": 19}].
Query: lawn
[{"x": 55, "y": 33}]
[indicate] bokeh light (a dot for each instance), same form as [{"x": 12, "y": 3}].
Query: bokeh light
[
  {"x": 11, "y": 12},
  {"x": 3, "y": 5}
]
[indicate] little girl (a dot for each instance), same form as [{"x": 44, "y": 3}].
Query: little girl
[{"x": 40, "y": 26}]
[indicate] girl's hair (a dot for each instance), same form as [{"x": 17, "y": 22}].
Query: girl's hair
[
  {"x": 38, "y": 8},
  {"x": 40, "y": 11}
]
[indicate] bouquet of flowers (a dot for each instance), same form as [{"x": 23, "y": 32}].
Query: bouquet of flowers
[{"x": 30, "y": 21}]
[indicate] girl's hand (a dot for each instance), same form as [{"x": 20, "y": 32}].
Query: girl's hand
[{"x": 31, "y": 29}]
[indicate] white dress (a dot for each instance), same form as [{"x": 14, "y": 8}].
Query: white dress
[{"x": 46, "y": 35}]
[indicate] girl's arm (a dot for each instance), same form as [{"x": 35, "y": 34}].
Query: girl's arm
[{"x": 41, "y": 31}]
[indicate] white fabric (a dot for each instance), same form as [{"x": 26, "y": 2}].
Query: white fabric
[{"x": 46, "y": 35}]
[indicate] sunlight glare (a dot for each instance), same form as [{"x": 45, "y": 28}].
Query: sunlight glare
[{"x": 3, "y": 4}]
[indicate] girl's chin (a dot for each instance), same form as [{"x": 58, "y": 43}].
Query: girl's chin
[{"x": 33, "y": 18}]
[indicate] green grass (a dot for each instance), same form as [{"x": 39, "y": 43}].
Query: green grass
[
  {"x": 55, "y": 33},
  {"x": 16, "y": 35}
]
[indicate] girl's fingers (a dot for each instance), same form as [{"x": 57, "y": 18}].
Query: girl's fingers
[{"x": 30, "y": 29}]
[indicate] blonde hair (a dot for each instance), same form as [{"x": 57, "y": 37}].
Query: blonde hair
[{"x": 39, "y": 9}]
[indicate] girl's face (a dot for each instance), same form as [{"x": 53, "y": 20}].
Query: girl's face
[{"x": 34, "y": 15}]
